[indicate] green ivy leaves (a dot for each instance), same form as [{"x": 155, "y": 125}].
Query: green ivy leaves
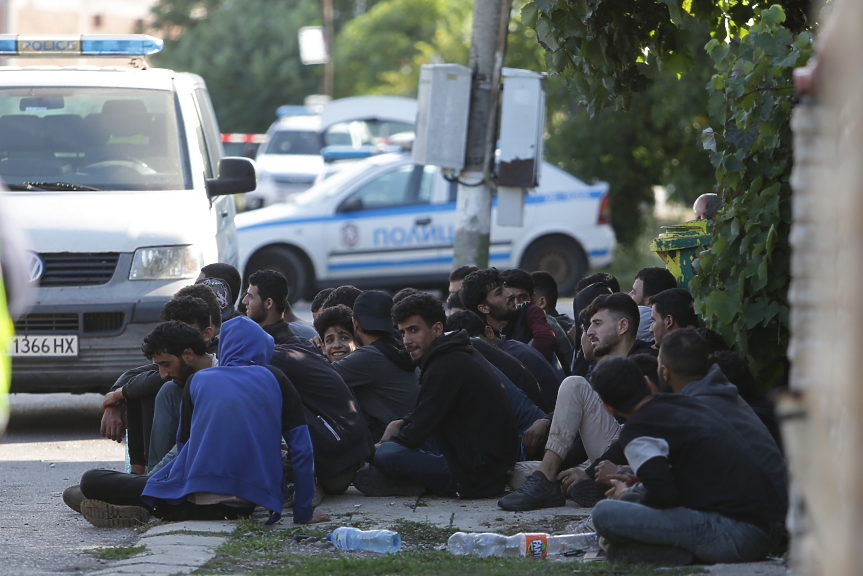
[{"x": 741, "y": 285}]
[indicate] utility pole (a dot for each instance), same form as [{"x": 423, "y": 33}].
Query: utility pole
[
  {"x": 328, "y": 39},
  {"x": 473, "y": 207}
]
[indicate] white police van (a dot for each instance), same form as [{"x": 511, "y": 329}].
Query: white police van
[
  {"x": 116, "y": 175},
  {"x": 388, "y": 223}
]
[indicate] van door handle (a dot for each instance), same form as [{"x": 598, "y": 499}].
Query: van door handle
[
  {"x": 422, "y": 221},
  {"x": 224, "y": 213}
]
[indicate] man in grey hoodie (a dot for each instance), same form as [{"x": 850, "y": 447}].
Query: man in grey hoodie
[{"x": 684, "y": 368}]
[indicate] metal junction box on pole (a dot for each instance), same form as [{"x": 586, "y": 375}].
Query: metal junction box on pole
[
  {"x": 522, "y": 126},
  {"x": 442, "y": 118}
]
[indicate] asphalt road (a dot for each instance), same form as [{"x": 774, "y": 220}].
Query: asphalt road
[{"x": 52, "y": 439}]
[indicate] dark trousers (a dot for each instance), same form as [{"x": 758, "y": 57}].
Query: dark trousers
[{"x": 126, "y": 489}]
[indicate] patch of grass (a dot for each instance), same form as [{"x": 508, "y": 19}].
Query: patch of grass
[
  {"x": 431, "y": 563},
  {"x": 117, "y": 552},
  {"x": 257, "y": 549},
  {"x": 422, "y": 532}
]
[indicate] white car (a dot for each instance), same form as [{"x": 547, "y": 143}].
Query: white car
[
  {"x": 290, "y": 161},
  {"x": 116, "y": 175},
  {"x": 388, "y": 223}
]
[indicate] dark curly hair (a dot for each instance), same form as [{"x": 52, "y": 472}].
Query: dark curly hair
[
  {"x": 476, "y": 287},
  {"x": 466, "y": 320},
  {"x": 345, "y": 295},
  {"x": 320, "y": 298},
  {"x": 601, "y": 278},
  {"x": 453, "y": 301},
  {"x": 518, "y": 278},
  {"x": 174, "y": 338},
  {"x": 404, "y": 293},
  {"x": 460, "y": 272},
  {"x": 545, "y": 285},
  {"x": 206, "y": 294},
  {"x": 187, "y": 309},
  {"x": 426, "y": 306},
  {"x": 677, "y": 303},
  {"x": 338, "y": 315}
]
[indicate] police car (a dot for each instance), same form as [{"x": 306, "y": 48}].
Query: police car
[
  {"x": 116, "y": 175},
  {"x": 388, "y": 223}
]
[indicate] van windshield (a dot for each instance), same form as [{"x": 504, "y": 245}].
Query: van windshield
[
  {"x": 295, "y": 142},
  {"x": 103, "y": 138}
]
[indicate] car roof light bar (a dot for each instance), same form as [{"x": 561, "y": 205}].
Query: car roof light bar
[{"x": 78, "y": 45}]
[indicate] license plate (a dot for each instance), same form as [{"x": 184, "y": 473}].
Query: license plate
[{"x": 35, "y": 345}]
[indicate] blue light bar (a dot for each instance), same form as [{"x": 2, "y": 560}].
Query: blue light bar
[
  {"x": 78, "y": 45},
  {"x": 291, "y": 110},
  {"x": 333, "y": 153}
]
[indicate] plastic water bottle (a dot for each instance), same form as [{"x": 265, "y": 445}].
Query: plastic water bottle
[
  {"x": 537, "y": 545},
  {"x": 347, "y": 538}
]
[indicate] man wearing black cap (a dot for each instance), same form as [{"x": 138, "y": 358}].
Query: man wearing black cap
[{"x": 380, "y": 372}]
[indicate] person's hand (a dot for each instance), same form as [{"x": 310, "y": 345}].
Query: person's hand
[
  {"x": 533, "y": 436},
  {"x": 569, "y": 477},
  {"x": 604, "y": 470},
  {"x": 113, "y": 398},
  {"x": 316, "y": 518},
  {"x": 618, "y": 489},
  {"x": 392, "y": 429},
  {"x": 316, "y": 341},
  {"x": 139, "y": 469},
  {"x": 114, "y": 423},
  {"x": 628, "y": 479}
]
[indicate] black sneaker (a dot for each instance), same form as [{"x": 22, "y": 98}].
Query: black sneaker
[
  {"x": 73, "y": 497},
  {"x": 587, "y": 493},
  {"x": 105, "y": 515},
  {"x": 641, "y": 553},
  {"x": 536, "y": 492},
  {"x": 373, "y": 482}
]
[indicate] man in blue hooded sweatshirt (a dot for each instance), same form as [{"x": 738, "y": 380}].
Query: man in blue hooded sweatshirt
[{"x": 229, "y": 457}]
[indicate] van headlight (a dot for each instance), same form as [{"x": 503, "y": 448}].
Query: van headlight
[{"x": 166, "y": 263}]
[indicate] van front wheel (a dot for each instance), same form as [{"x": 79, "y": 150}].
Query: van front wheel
[{"x": 286, "y": 261}]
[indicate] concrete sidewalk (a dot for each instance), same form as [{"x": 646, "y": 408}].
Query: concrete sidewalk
[{"x": 180, "y": 548}]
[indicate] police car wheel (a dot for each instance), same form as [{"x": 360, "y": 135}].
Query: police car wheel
[
  {"x": 289, "y": 263},
  {"x": 560, "y": 256}
]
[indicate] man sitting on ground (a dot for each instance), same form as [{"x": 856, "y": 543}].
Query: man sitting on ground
[
  {"x": 339, "y": 432},
  {"x": 461, "y": 440},
  {"x": 613, "y": 324},
  {"x": 671, "y": 310},
  {"x": 266, "y": 300},
  {"x": 701, "y": 491},
  {"x": 545, "y": 291},
  {"x": 484, "y": 293},
  {"x": 226, "y": 465},
  {"x": 224, "y": 281},
  {"x": 523, "y": 291},
  {"x": 134, "y": 400},
  {"x": 647, "y": 283},
  {"x": 380, "y": 372},
  {"x": 684, "y": 368},
  {"x": 335, "y": 329},
  {"x": 457, "y": 276}
]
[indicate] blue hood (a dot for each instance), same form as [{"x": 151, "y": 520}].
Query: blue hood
[{"x": 243, "y": 343}]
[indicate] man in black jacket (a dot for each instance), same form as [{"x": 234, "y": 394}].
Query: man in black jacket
[
  {"x": 701, "y": 491},
  {"x": 340, "y": 436},
  {"x": 461, "y": 439}
]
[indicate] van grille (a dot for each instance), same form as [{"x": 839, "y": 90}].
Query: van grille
[
  {"x": 78, "y": 268},
  {"x": 47, "y": 323},
  {"x": 103, "y": 321}
]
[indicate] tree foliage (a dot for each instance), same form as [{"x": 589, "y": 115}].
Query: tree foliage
[
  {"x": 247, "y": 51},
  {"x": 610, "y": 49},
  {"x": 741, "y": 285}
]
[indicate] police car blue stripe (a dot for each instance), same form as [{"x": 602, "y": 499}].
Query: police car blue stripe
[
  {"x": 411, "y": 262},
  {"x": 419, "y": 209}
]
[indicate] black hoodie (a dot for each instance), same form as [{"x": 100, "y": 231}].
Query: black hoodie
[{"x": 463, "y": 404}]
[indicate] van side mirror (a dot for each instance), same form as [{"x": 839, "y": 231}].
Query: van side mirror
[
  {"x": 352, "y": 204},
  {"x": 236, "y": 175}
]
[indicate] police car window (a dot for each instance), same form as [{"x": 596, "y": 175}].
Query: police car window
[
  {"x": 295, "y": 142},
  {"x": 105, "y": 138},
  {"x": 399, "y": 187}
]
